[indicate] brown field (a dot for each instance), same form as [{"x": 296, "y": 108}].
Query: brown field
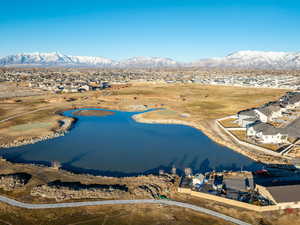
[
  {"x": 142, "y": 214},
  {"x": 279, "y": 217},
  {"x": 11, "y": 89},
  {"x": 106, "y": 215},
  {"x": 205, "y": 102}
]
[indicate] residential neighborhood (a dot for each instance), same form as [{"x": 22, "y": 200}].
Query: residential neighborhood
[
  {"x": 273, "y": 127},
  {"x": 266, "y": 124},
  {"x": 63, "y": 80},
  {"x": 263, "y": 190}
]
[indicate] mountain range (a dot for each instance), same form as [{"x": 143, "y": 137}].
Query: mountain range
[{"x": 240, "y": 59}]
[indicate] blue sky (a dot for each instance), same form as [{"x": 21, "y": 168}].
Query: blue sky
[{"x": 181, "y": 29}]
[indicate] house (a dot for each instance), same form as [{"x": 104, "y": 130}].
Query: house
[
  {"x": 274, "y": 136},
  {"x": 293, "y": 129},
  {"x": 280, "y": 191},
  {"x": 105, "y": 85},
  {"x": 294, "y": 100},
  {"x": 69, "y": 90},
  {"x": 84, "y": 88},
  {"x": 267, "y": 134},
  {"x": 218, "y": 182},
  {"x": 198, "y": 180},
  {"x": 246, "y": 117},
  {"x": 269, "y": 112},
  {"x": 248, "y": 122},
  {"x": 291, "y": 100}
]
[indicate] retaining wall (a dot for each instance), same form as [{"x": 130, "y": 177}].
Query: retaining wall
[
  {"x": 279, "y": 206},
  {"x": 236, "y": 128},
  {"x": 228, "y": 201}
]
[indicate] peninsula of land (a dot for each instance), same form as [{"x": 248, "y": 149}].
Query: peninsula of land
[{"x": 92, "y": 112}]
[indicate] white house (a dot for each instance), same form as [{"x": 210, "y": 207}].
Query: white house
[
  {"x": 198, "y": 179},
  {"x": 294, "y": 101},
  {"x": 273, "y": 138},
  {"x": 267, "y": 134},
  {"x": 262, "y": 115},
  {"x": 246, "y": 117},
  {"x": 291, "y": 100},
  {"x": 270, "y": 112}
]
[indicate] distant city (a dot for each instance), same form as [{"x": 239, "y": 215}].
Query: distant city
[{"x": 79, "y": 80}]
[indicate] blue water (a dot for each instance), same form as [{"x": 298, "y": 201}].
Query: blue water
[{"x": 116, "y": 145}]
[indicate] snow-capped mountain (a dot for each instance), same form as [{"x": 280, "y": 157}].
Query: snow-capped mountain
[
  {"x": 53, "y": 59},
  {"x": 58, "y": 59},
  {"x": 254, "y": 59},
  {"x": 141, "y": 61},
  {"x": 240, "y": 59}
]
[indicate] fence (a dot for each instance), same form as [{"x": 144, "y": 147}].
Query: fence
[{"x": 269, "y": 152}]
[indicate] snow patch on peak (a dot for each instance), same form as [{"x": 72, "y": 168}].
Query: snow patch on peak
[
  {"x": 143, "y": 61},
  {"x": 254, "y": 60},
  {"x": 249, "y": 54}
]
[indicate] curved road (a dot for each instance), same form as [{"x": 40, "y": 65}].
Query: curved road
[{"x": 120, "y": 202}]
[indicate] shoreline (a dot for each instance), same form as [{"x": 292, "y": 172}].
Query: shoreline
[
  {"x": 211, "y": 131},
  {"x": 67, "y": 124},
  {"x": 216, "y": 137}
]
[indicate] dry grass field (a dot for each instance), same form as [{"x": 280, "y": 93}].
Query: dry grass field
[
  {"x": 142, "y": 214},
  {"x": 10, "y": 89},
  {"x": 107, "y": 215},
  {"x": 279, "y": 217},
  {"x": 205, "y": 102}
]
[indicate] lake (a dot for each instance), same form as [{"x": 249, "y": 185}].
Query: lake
[{"x": 116, "y": 145}]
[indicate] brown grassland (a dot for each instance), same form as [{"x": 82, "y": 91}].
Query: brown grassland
[{"x": 143, "y": 214}]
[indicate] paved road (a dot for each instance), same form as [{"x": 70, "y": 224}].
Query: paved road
[
  {"x": 21, "y": 114},
  {"x": 121, "y": 202}
]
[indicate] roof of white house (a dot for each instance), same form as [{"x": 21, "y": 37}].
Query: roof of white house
[
  {"x": 290, "y": 98},
  {"x": 268, "y": 129},
  {"x": 248, "y": 112},
  {"x": 293, "y": 129},
  {"x": 268, "y": 110}
]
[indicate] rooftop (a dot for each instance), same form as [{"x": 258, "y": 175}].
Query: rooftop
[{"x": 287, "y": 193}]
